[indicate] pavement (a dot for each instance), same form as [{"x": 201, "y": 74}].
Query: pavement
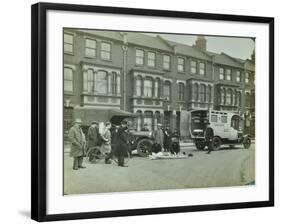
[{"x": 225, "y": 167}]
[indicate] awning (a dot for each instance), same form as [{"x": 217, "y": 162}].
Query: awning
[{"x": 90, "y": 114}]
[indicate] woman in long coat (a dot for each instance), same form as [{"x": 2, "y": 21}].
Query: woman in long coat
[
  {"x": 106, "y": 143},
  {"x": 122, "y": 144},
  {"x": 93, "y": 135}
]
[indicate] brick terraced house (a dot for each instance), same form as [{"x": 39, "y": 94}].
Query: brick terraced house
[{"x": 155, "y": 78}]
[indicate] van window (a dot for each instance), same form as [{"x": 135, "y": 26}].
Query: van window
[
  {"x": 224, "y": 119},
  {"x": 214, "y": 118}
]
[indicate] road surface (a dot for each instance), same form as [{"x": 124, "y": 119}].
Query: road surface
[{"x": 225, "y": 167}]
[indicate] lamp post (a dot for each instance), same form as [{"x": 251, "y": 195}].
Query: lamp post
[{"x": 125, "y": 50}]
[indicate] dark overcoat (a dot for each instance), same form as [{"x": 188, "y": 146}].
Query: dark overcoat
[
  {"x": 167, "y": 139},
  {"x": 122, "y": 142},
  {"x": 92, "y": 137},
  {"x": 78, "y": 141}
]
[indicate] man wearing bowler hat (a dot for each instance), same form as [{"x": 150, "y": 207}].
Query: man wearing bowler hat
[
  {"x": 122, "y": 144},
  {"x": 78, "y": 142}
]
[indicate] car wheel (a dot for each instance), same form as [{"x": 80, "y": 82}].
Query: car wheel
[
  {"x": 247, "y": 143},
  {"x": 200, "y": 145},
  {"x": 144, "y": 147},
  {"x": 215, "y": 143}
]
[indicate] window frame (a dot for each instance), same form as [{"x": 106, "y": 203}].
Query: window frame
[
  {"x": 96, "y": 81},
  {"x": 148, "y": 59},
  {"x": 72, "y": 44},
  {"x": 110, "y": 51},
  {"x": 183, "y": 64},
  {"x": 228, "y": 74},
  {"x": 193, "y": 67},
  {"x": 247, "y": 77},
  {"x": 69, "y": 80},
  {"x": 170, "y": 89},
  {"x": 181, "y": 91},
  {"x": 221, "y": 74},
  {"x": 240, "y": 76},
  {"x": 138, "y": 57},
  {"x": 204, "y": 69},
  {"x": 165, "y": 62},
  {"x": 91, "y": 48},
  {"x": 148, "y": 89}
]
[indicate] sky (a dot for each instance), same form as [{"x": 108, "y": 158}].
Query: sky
[{"x": 239, "y": 47}]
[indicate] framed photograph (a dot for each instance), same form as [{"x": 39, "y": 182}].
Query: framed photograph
[{"x": 140, "y": 111}]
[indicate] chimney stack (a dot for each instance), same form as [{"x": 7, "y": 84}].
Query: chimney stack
[{"x": 201, "y": 43}]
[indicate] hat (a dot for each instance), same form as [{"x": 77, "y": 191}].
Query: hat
[
  {"x": 95, "y": 122},
  {"x": 160, "y": 125},
  {"x": 77, "y": 120},
  {"x": 124, "y": 122},
  {"x": 107, "y": 123}
]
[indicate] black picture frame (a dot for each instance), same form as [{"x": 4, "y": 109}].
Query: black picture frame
[{"x": 39, "y": 108}]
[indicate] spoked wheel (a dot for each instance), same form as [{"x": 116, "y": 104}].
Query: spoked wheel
[
  {"x": 144, "y": 147},
  {"x": 94, "y": 155},
  {"x": 215, "y": 143},
  {"x": 247, "y": 143},
  {"x": 200, "y": 145},
  {"x": 126, "y": 158}
]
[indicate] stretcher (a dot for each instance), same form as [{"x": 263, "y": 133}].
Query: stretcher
[{"x": 166, "y": 155}]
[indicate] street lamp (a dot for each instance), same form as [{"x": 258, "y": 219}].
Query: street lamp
[{"x": 125, "y": 50}]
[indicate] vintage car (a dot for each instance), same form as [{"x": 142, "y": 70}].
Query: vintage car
[
  {"x": 211, "y": 128},
  {"x": 139, "y": 140}
]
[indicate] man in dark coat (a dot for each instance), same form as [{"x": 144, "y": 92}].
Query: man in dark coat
[
  {"x": 122, "y": 144},
  {"x": 93, "y": 135},
  {"x": 167, "y": 139},
  {"x": 78, "y": 142},
  {"x": 158, "y": 137}
]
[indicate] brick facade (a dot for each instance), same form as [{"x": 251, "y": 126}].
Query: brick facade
[{"x": 155, "y": 78}]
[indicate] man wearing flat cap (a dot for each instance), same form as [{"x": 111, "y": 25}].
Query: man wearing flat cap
[
  {"x": 78, "y": 142},
  {"x": 122, "y": 144}
]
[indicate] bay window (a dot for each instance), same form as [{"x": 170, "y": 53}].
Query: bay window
[
  {"x": 167, "y": 90},
  {"x": 147, "y": 88}
]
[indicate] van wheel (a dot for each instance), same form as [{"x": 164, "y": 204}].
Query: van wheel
[
  {"x": 215, "y": 143},
  {"x": 247, "y": 143},
  {"x": 200, "y": 145}
]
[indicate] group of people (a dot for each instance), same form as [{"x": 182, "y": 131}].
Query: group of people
[
  {"x": 109, "y": 140},
  {"x": 112, "y": 140},
  {"x": 165, "y": 140}
]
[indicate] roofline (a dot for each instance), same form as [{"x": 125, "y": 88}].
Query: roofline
[
  {"x": 233, "y": 59},
  {"x": 166, "y": 42}
]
